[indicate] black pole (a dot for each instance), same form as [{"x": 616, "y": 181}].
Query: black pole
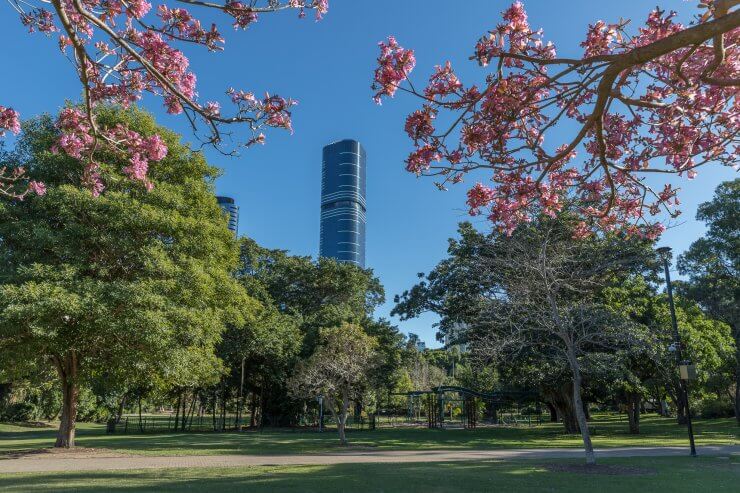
[{"x": 665, "y": 252}]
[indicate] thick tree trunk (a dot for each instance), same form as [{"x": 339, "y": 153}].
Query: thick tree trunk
[
  {"x": 561, "y": 399},
  {"x": 67, "y": 369},
  {"x": 578, "y": 405},
  {"x": 553, "y": 412}
]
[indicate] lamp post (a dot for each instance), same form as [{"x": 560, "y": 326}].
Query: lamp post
[{"x": 665, "y": 254}]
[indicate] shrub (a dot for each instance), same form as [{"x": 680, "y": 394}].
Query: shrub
[
  {"x": 18, "y": 411},
  {"x": 715, "y": 408}
]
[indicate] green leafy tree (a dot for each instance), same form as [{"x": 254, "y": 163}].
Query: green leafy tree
[
  {"x": 135, "y": 281},
  {"x": 713, "y": 266},
  {"x": 308, "y": 295},
  {"x": 338, "y": 370}
]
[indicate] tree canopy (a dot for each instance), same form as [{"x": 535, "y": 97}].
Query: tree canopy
[
  {"x": 135, "y": 281},
  {"x": 537, "y": 127}
]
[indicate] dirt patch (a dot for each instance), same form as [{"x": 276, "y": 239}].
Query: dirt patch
[
  {"x": 600, "y": 469},
  {"x": 72, "y": 453}
]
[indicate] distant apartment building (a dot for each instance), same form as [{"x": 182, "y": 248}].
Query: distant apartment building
[
  {"x": 232, "y": 210},
  {"x": 343, "y": 207}
]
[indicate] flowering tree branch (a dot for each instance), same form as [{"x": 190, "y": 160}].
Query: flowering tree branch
[
  {"x": 122, "y": 49},
  {"x": 662, "y": 100}
]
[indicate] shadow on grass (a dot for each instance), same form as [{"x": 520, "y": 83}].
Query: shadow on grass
[
  {"x": 674, "y": 474},
  {"x": 608, "y": 431}
]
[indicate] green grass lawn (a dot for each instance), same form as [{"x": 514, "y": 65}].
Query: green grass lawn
[
  {"x": 673, "y": 475},
  {"x": 608, "y": 431}
]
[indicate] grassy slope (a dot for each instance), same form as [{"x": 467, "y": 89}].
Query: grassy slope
[
  {"x": 609, "y": 431},
  {"x": 657, "y": 474}
]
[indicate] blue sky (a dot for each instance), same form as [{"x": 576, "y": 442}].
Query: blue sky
[{"x": 327, "y": 66}]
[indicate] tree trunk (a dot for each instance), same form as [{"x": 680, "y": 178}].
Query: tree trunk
[
  {"x": 633, "y": 413},
  {"x": 578, "y": 405},
  {"x": 341, "y": 416},
  {"x": 253, "y": 411},
  {"x": 737, "y": 376},
  {"x": 680, "y": 401},
  {"x": 141, "y": 426},
  {"x": 121, "y": 405},
  {"x": 553, "y": 412},
  {"x": 586, "y": 412},
  {"x": 561, "y": 398},
  {"x": 177, "y": 411},
  {"x": 67, "y": 371}
]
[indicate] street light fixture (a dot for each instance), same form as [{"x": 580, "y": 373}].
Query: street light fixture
[{"x": 665, "y": 254}]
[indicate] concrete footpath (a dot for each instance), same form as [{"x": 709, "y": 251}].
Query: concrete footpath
[{"x": 99, "y": 462}]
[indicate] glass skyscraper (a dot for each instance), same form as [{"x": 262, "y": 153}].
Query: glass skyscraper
[
  {"x": 229, "y": 207},
  {"x": 343, "y": 202}
]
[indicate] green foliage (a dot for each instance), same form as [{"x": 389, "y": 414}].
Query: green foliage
[{"x": 133, "y": 285}]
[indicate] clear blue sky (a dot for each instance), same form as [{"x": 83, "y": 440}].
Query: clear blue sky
[{"x": 328, "y": 67}]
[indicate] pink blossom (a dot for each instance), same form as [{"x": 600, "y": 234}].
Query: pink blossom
[
  {"x": 154, "y": 148},
  {"x": 662, "y": 114},
  {"x": 39, "y": 19},
  {"x": 421, "y": 158},
  {"x": 9, "y": 120},
  {"x": 242, "y": 14},
  {"x": 479, "y": 196},
  {"x": 599, "y": 39},
  {"x": 138, "y": 8},
  {"x": 37, "y": 187},
  {"x": 394, "y": 66},
  {"x": 419, "y": 123},
  {"x": 138, "y": 168}
]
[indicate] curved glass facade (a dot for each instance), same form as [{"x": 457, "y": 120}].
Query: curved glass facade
[
  {"x": 229, "y": 207},
  {"x": 343, "y": 202}
]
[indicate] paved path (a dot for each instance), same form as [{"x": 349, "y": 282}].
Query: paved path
[{"x": 47, "y": 463}]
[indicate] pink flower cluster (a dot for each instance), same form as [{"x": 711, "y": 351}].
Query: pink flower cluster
[
  {"x": 321, "y": 7},
  {"x": 39, "y": 19},
  {"x": 77, "y": 140},
  {"x": 9, "y": 120},
  {"x": 515, "y": 33},
  {"x": 9, "y": 179},
  {"x": 599, "y": 39},
  {"x": 37, "y": 187},
  {"x": 168, "y": 61},
  {"x": 243, "y": 15},
  {"x": 394, "y": 66},
  {"x": 179, "y": 22},
  {"x": 273, "y": 110},
  {"x": 672, "y": 113}
]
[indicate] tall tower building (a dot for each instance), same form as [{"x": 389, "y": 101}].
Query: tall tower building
[
  {"x": 343, "y": 202},
  {"x": 229, "y": 207}
]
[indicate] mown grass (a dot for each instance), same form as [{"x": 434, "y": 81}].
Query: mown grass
[
  {"x": 674, "y": 474},
  {"x": 609, "y": 430}
]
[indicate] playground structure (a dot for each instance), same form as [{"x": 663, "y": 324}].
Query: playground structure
[{"x": 453, "y": 406}]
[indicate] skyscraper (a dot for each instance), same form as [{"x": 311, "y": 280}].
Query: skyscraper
[
  {"x": 229, "y": 207},
  {"x": 343, "y": 202}
]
